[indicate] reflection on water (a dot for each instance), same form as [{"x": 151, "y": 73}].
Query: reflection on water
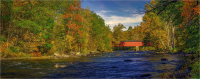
[{"x": 109, "y": 65}]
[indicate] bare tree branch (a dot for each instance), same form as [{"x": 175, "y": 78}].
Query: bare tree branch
[{"x": 165, "y": 6}]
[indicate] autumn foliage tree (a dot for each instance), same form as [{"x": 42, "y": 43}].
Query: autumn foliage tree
[{"x": 44, "y": 27}]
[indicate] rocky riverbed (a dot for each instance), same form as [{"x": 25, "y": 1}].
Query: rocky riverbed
[{"x": 117, "y": 64}]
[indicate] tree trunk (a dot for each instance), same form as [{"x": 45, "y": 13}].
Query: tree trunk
[
  {"x": 173, "y": 37},
  {"x": 159, "y": 39},
  {"x": 168, "y": 36}
]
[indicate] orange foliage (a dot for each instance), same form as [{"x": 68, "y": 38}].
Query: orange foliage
[
  {"x": 18, "y": 3},
  {"x": 36, "y": 54},
  {"x": 78, "y": 17},
  {"x": 75, "y": 21},
  {"x": 190, "y": 10},
  {"x": 80, "y": 33},
  {"x": 71, "y": 7},
  {"x": 3, "y": 46},
  {"x": 67, "y": 16}
]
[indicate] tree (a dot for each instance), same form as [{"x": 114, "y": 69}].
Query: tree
[{"x": 118, "y": 33}]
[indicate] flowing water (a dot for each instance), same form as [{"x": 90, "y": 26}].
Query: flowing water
[{"x": 118, "y": 64}]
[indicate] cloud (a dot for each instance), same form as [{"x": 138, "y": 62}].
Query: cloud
[
  {"x": 127, "y": 21},
  {"x": 113, "y": 20}
]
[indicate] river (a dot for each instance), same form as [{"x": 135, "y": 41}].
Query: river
[{"x": 117, "y": 64}]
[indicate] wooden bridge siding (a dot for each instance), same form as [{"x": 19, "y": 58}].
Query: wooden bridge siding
[{"x": 130, "y": 44}]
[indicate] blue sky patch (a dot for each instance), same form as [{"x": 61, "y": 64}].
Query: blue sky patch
[{"x": 127, "y": 12}]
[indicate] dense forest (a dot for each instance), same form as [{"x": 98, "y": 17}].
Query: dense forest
[
  {"x": 41, "y": 28},
  {"x": 170, "y": 25},
  {"x": 35, "y": 28},
  {"x": 44, "y": 27}
]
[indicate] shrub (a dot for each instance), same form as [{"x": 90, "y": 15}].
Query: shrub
[
  {"x": 36, "y": 54},
  {"x": 15, "y": 49},
  {"x": 84, "y": 51},
  {"x": 9, "y": 53},
  {"x": 150, "y": 48},
  {"x": 21, "y": 54},
  {"x": 195, "y": 70},
  {"x": 2, "y": 38}
]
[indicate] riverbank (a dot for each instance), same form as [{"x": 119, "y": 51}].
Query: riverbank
[
  {"x": 57, "y": 56},
  {"x": 189, "y": 68}
]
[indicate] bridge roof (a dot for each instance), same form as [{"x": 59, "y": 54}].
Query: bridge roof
[{"x": 131, "y": 41}]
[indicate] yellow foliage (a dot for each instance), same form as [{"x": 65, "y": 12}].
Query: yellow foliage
[
  {"x": 3, "y": 46},
  {"x": 32, "y": 41},
  {"x": 52, "y": 50}
]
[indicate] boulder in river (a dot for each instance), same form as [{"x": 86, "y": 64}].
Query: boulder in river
[
  {"x": 113, "y": 67},
  {"x": 60, "y": 66},
  {"x": 128, "y": 60},
  {"x": 163, "y": 63},
  {"x": 145, "y": 75},
  {"x": 188, "y": 70},
  {"x": 178, "y": 67},
  {"x": 163, "y": 59}
]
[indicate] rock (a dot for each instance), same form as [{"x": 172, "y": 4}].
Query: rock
[
  {"x": 60, "y": 55},
  {"x": 65, "y": 55},
  {"x": 181, "y": 75},
  {"x": 60, "y": 66},
  {"x": 128, "y": 60},
  {"x": 56, "y": 54},
  {"x": 178, "y": 67},
  {"x": 188, "y": 70},
  {"x": 113, "y": 67},
  {"x": 28, "y": 58},
  {"x": 145, "y": 75},
  {"x": 163, "y": 59},
  {"x": 83, "y": 55},
  {"x": 92, "y": 52},
  {"x": 72, "y": 53},
  {"x": 78, "y": 53}
]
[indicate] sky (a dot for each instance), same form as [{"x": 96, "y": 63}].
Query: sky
[{"x": 126, "y": 12}]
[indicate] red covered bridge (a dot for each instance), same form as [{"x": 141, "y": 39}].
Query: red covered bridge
[{"x": 131, "y": 43}]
